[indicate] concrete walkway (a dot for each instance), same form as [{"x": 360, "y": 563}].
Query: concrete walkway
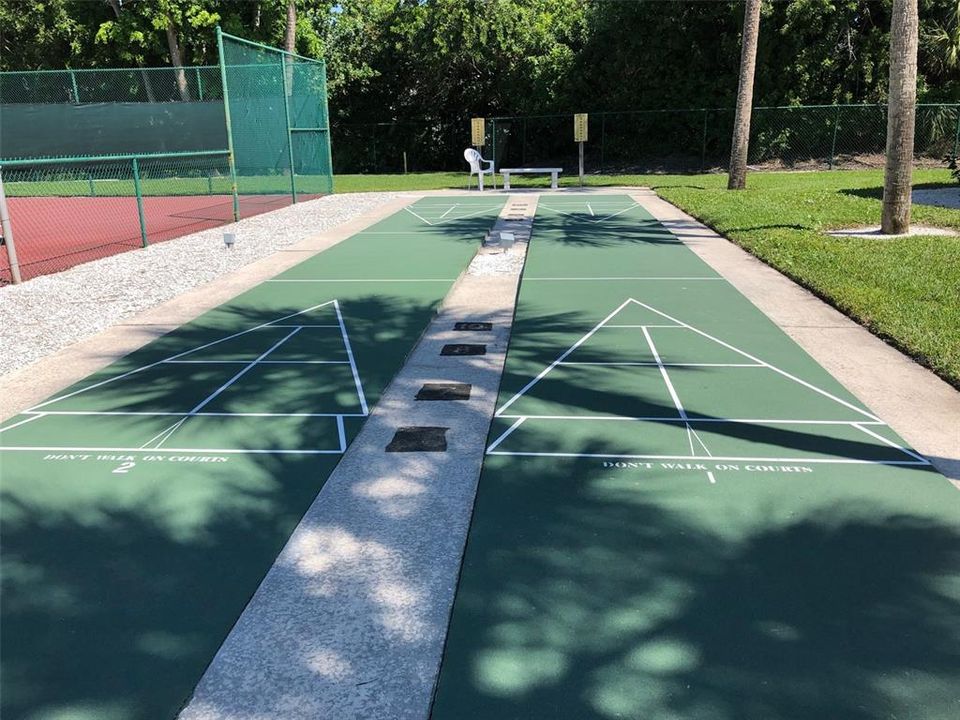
[{"x": 351, "y": 620}]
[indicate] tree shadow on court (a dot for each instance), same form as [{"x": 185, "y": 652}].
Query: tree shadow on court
[
  {"x": 594, "y": 231},
  {"x": 590, "y": 595},
  {"x": 595, "y": 592},
  {"x": 119, "y": 588}
]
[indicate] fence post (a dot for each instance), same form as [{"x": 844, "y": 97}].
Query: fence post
[
  {"x": 199, "y": 85},
  {"x": 286, "y": 115},
  {"x": 7, "y": 229},
  {"x": 703, "y": 142},
  {"x": 523, "y": 147},
  {"x": 833, "y": 144},
  {"x": 76, "y": 91},
  {"x": 231, "y": 159},
  {"x": 139, "y": 192},
  {"x": 493, "y": 141},
  {"x": 603, "y": 138},
  {"x": 93, "y": 188},
  {"x": 956, "y": 137}
]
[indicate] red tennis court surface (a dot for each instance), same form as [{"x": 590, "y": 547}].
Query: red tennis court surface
[{"x": 56, "y": 233}]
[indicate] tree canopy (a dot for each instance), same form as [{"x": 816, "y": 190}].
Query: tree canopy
[{"x": 406, "y": 59}]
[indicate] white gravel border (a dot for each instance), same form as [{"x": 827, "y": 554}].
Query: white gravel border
[{"x": 48, "y": 313}]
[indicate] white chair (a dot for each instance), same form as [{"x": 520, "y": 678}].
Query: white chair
[{"x": 474, "y": 159}]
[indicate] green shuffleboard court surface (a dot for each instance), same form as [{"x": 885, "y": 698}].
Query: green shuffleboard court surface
[
  {"x": 142, "y": 506},
  {"x": 682, "y": 515}
]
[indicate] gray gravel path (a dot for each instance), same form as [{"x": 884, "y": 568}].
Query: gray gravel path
[{"x": 46, "y": 314}]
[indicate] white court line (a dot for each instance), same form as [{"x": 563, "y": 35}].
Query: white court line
[
  {"x": 417, "y": 216},
  {"x": 665, "y": 375},
  {"x": 700, "y": 440},
  {"x": 341, "y": 434},
  {"x": 662, "y": 364},
  {"x": 620, "y": 212},
  {"x": 891, "y": 443},
  {"x": 265, "y": 362},
  {"x": 305, "y": 326},
  {"x": 189, "y": 451},
  {"x": 716, "y": 458},
  {"x": 696, "y": 420},
  {"x": 448, "y": 211},
  {"x": 243, "y": 372},
  {"x": 648, "y": 326},
  {"x": 595, "y": 221},
  {"x": 505, "y": 434},
  {"x": 526, "y": 278},
  {"x": 350, "y": 358},
  {"x": 23, "y": 422},
  {"x": 178, "y": 355},
  {"x": 359, "y": 280},
  {"x": 559, "y": 360},
  {"x": 590, "y": 209},
  {"x": 137, "y": 413},
  {"x": 164, "y": 435},
  {"x": 747, "y": 355}
]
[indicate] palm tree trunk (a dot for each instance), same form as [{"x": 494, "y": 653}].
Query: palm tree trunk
[
  {"x": 901, "y": 118},
  {"x": 290, "y": 43},
  {"x": 176, "y": 60},
  {"x": 290, "y": 35},
  {"x": 737, "y": 179}
]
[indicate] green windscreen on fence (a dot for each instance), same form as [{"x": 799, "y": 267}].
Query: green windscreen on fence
[
  {"x": 97, "y": 162},
  {"x": 277, "y": 110}
]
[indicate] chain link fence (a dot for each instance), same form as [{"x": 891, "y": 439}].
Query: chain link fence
[
  {"x": 96, "y": 162},
  {"x": 682, "y": 140},
  {"x": 698, "y": 140}
]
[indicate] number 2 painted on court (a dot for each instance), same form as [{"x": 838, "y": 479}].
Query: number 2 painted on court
[{"x": 125, "y": 467}]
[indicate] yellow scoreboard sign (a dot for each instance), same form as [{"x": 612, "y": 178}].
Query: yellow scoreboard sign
[
  {"x": 478, "y": 132},
  {"x": 580, "y": 127}
]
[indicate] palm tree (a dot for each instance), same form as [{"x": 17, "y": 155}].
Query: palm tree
[
  {"x": 901, "y": 118},
  {"x": 741, "y": 123}
]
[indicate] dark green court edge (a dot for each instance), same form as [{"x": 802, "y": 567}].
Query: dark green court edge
[
  {"x": 800, "y": 563},
  {"x": 125, "y": 568}
]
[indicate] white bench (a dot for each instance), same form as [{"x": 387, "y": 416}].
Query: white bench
[{"x": 506, "y": 172}]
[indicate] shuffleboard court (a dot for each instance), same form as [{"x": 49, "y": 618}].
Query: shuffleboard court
[
  {"x": 682, "y": 515},
  {"x": 142, "y": 506}
]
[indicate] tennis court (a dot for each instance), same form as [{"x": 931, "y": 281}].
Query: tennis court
[
  {"x": 56, "y": 233},
  {"x": 142, "y": 506},
  {"x": 682, "y": 515}
]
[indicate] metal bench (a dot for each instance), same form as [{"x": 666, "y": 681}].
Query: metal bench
[{"x": 506, "y": 172}]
